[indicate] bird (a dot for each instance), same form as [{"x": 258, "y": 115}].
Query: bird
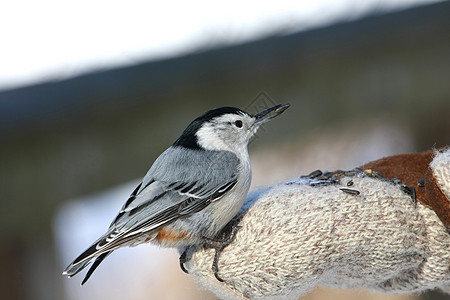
[{"x": 191, "y": 191}]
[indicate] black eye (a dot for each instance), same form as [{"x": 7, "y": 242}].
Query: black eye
[{"x": 238, "y": 123}]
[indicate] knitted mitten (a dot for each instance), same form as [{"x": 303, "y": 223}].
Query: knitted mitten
[{"x": 353, "y": 229}]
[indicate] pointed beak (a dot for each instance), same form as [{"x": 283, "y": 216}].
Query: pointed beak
[{"x": 268, "y": 114}]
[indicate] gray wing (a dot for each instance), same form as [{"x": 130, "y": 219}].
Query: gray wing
[{"x": 180, "y": 182}]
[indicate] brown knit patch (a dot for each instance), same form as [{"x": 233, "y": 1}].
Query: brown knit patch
[{"x": 437, "y": 199}]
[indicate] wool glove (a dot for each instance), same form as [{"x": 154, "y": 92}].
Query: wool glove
[{"x": 344, "y": 229}]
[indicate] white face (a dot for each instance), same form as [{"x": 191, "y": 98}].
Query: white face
[{"x": 230, "y": 132}]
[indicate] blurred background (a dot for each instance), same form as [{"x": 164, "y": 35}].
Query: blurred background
[{"x": 91, "y": 92}]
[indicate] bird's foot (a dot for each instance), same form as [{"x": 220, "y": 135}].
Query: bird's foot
[
  {"x": 219, "y": 245},
  {"x": 183, "y": 260}
]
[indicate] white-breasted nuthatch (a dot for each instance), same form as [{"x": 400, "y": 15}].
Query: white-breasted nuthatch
[{"x": 191, "y": 191}]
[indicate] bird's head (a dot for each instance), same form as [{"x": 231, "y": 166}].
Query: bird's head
[{"x": 225, "y": 128}]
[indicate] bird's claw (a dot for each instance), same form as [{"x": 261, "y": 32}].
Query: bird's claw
[
  {"x": 219, "y": 246},
  {"x": 183, "y": 259}
]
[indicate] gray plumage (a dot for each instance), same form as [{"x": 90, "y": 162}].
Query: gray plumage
[
  {"x": 193, "y": 189},
  {"x": 173, "y": 188}
]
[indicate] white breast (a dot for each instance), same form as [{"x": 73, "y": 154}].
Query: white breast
[{"x": 224, "y": 209}]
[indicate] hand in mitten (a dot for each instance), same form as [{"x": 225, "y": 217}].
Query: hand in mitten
[{"x": 354, "y": 229}]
